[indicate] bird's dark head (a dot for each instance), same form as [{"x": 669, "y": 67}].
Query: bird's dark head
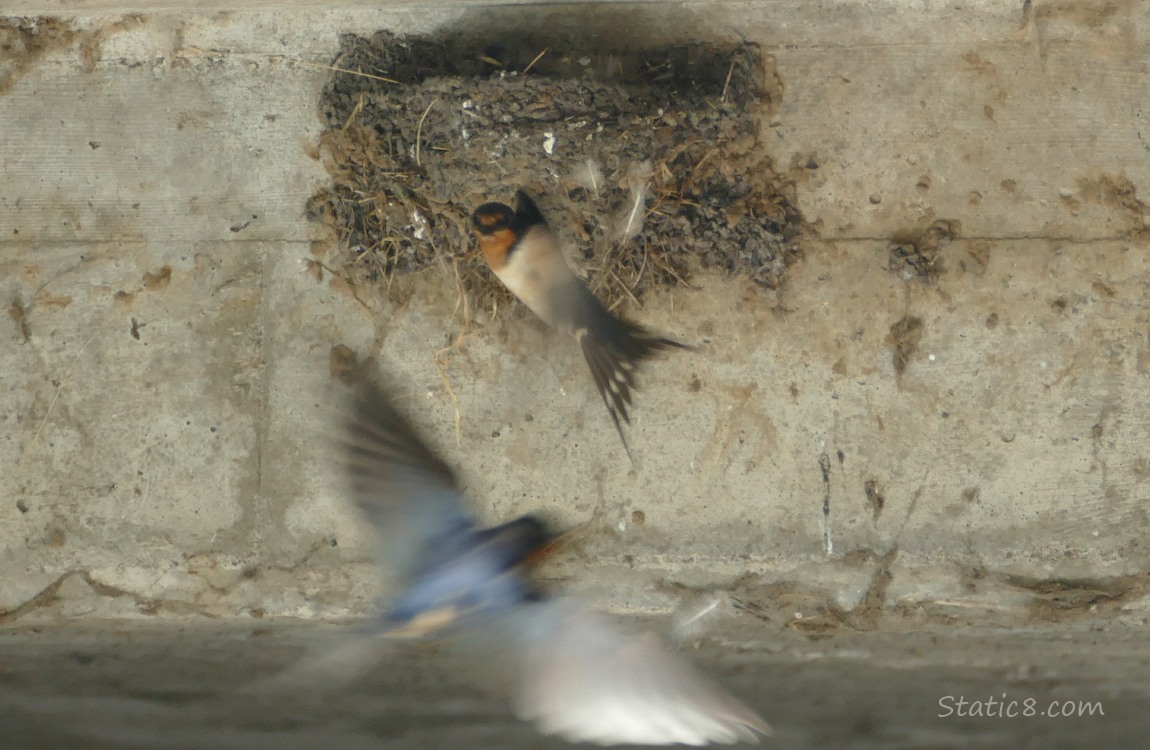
[{"x": 493, "y": 217}]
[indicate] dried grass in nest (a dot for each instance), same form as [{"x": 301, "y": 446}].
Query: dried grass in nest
[{"x": 410, "y": 161}]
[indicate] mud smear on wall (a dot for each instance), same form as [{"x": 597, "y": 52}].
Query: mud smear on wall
[
  {"x": 646, "y": 159},
  {"x": 24, "y": 41}
]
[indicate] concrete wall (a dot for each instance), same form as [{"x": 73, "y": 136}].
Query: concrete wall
[{"x": 165, "y": 383}]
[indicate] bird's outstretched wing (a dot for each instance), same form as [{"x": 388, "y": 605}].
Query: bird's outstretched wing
[{"x": 406, "y": 491}]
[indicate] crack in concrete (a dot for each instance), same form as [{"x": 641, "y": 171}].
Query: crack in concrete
[
  {"x": 44, "y": 597},
  {"x": 146, "y": 605},
  {"x": 1057, "y": 598},
  {"x": 47, "y": 595},
  {"x": 866, "y": 615},
  {"x": 825, "y": 468}
]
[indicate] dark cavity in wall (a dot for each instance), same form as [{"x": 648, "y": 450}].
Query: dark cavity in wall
[{"x": 606, "y": 132}]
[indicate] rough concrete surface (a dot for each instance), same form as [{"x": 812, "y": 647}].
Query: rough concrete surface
[{"x": 938, "y": 424}]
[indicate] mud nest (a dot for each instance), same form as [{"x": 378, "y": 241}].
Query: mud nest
[{"x": 646, "y": 163}]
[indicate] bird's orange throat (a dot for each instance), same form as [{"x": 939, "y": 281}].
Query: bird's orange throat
[{"x": 495, "y": 246}]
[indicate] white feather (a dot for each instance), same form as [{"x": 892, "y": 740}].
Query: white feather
[
  {"x": 637, "y": 179},
  {"x": 693, "y": 619},
  {"x": 589, "y": 176}
]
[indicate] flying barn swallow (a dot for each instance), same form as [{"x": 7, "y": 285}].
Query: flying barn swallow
[
  {"x": 577, "y": 674},
  {"x": 524, "y": 253}
]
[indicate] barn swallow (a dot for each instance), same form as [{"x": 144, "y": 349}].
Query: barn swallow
[
  {"x": 525, "y": 255},
  {"x": 576, "y": 674}
]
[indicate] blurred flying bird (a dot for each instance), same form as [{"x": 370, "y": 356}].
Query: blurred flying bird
[{"x": 573, "y": 673}]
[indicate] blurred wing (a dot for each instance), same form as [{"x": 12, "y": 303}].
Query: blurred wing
[
  {"x": 584, "y": 679},
  {"x": 406, "y": 491},
  {"x": 324, "y": 668}
]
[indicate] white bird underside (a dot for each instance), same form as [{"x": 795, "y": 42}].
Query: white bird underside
[
  {"x": 536, "y": 273},
  {"x": 583, "y": 679}
]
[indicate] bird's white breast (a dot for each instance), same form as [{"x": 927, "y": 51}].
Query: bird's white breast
[{"x": 534, "y": 271}]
